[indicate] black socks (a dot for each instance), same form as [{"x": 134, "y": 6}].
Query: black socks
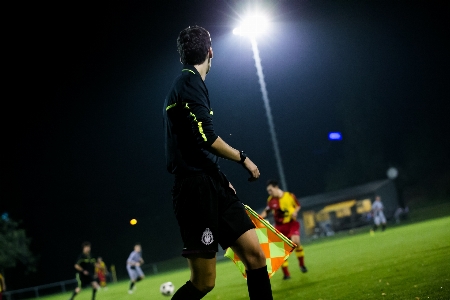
[
  {"x": 94, "y": 291},
  {"x": 188, "y": 292},
  {"x": 73, "y": 295},
  {"x": 258, "y": 284}
]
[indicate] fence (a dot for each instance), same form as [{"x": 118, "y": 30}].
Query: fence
[
  {"x": 68, "y": 285},
  {"x": 41, "y": 290}
]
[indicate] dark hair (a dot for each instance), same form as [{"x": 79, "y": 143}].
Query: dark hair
[
  {"x": 84, "y": 244},
  {"x": 193, "y": 44},
  {"x": 272, "y": 182},
  {"x": 137, "y": 244}
]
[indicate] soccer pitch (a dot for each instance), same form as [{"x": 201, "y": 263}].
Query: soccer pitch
[{"x": 404, "y": 262}]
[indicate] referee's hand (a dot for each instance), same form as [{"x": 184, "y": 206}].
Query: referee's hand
[{"x": 252, "y": 169}]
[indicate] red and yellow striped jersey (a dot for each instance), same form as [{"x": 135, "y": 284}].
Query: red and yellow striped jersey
[{"x": 282, "y": 208}]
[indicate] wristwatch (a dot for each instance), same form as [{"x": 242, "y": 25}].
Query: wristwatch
[{"x": 243, "y": 157}]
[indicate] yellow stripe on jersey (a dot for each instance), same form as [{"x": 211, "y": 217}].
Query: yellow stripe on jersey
[
  {"x": 288, "y": 204},
  {"x": 199, "y": 124},
  {"x": 188, "y": 71}
]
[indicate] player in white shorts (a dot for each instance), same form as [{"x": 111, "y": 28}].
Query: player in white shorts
[
  {"x": 134, "y": 262},
  {"x": 378, "y": 215}
]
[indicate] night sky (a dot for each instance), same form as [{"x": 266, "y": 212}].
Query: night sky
[{"x": 83, "y": 100}]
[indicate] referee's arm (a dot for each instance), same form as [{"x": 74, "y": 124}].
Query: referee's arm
[{"x": 222, "y": 149}]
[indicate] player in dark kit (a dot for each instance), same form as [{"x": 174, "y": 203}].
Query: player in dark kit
[
  {"x": 205, "y": 203},
  {"x": 85, "y": 267}
]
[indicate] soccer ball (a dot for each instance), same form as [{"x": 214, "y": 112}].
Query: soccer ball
[{"x": 167, "y": 288}]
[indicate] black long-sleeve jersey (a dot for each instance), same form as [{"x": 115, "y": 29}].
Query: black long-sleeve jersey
[
  {"x": 86, "y": 262},
  {"x": 188, "y": 125}
]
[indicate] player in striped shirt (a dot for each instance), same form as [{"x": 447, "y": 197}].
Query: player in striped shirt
[{"x": 285, "y": 207}]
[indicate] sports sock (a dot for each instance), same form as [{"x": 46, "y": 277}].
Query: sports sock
[
  {"x": 258, "y": 284},
  {"x": 300, "y": 255},
  {"x": 188, "y": 291},
  {"x": 383, "y": 227},
  {"x": 138, "y": 279},
  {"x": 284, "y": 268},
  {"x": 73, "y": 295},
  {"x": 94, "y": 291},
  {"x": 131, "y": 285}
]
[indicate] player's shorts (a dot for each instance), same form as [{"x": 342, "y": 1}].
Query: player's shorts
[
  {"x": 289, "y": 229},
  {"x": 379, "y": 218},
  {"x": 208, "y": 213},
  {"x": 84, "y": 280},
  {"x": 134, "y": 272}
]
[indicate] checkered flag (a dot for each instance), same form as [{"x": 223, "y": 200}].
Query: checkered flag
[{"x": 274, "y": 244}]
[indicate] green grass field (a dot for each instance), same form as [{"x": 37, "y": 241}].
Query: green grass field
[{"x": 404, "y": 262}]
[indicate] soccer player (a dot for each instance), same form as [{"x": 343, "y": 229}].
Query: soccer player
[
  {"x": 134, "y": 262},
  {"x": 2, "y": 285},
  {"x": 85, "y": 267},
  {"x": 101, "y": 271},
  {"x": 378, "y": 215},
  {"x": 285, "y": 207},
  {"x": 205, "y": 203}
]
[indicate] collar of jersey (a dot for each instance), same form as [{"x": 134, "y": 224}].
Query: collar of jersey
[{"x": 190, "y": 69}]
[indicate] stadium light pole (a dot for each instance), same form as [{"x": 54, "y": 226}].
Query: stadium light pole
[{"x": 251, "y": 27}]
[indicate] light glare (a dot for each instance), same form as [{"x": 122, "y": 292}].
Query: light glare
[{"x": 252, "y": 26}]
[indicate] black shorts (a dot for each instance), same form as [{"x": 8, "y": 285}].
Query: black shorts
[
  {"x": 208, "y": 213},
  {"x": 84, "y": 280}
]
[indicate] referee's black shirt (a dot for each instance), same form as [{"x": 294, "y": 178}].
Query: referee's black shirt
[{"x": 188, "y": 126}]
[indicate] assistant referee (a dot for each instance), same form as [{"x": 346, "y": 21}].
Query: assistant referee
[{"x": 205, "y": 203}]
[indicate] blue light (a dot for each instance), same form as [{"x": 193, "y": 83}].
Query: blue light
[
  {"x": 335, "y": 136},
  {"x": 5, "y": 217}
]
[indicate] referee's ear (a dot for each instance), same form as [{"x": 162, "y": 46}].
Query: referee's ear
[{"x": 210, "y": 52}]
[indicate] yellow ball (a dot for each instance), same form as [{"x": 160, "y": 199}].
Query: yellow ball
[{"x": 133, "y": 221}]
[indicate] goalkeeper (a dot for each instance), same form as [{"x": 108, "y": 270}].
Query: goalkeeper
[{"x": 201, "y": 189}]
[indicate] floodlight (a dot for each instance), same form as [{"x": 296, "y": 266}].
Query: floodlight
[
  {"x": 252, "y": 25},
  {"x": 392, "y": 173}
]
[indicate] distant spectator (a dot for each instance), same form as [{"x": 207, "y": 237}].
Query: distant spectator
[
  {"x": 401, "y": 213},
  {"x": 378, "y": 214}
]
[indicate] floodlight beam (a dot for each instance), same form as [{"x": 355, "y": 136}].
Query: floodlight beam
[{"x": 265, "y": 97}]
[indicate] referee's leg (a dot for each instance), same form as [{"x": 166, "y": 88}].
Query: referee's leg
[
  {"x": 249, "y": 251},
  {"x": 203, "y": 277}
]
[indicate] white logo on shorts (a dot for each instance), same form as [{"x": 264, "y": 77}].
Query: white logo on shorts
[{"x": 207, "y": 237}]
